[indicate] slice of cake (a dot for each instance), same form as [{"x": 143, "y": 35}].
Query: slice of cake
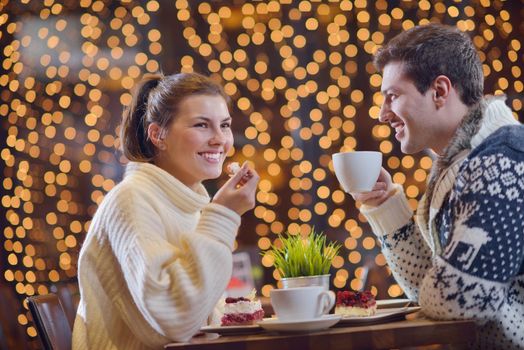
[
  {"x": 355, "y": 304},
  {"x": 241, "y": 312},
  {"x": 233, "y": 168}
]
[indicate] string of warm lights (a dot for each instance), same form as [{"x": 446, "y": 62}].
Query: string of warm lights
[
  {"x": 313, "y": 85},
  {"x": 63, "y": 61},
  {"x": 302, "y": 85}
]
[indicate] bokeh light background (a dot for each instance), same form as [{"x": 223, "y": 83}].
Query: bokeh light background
[{"x": 302, "y": 86}]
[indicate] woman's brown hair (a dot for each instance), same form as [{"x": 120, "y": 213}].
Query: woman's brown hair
[{"x": 155, "y": 100}]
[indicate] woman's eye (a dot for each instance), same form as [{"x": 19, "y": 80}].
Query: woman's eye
[{"x": 226, "y": 125}]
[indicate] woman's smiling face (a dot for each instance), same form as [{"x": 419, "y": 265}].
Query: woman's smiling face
[{"x": 197, "y": 141}]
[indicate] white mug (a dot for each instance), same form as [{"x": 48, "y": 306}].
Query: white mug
[
  {"x": 357, "y": 171},
  {"x": 301, "y": 303}
]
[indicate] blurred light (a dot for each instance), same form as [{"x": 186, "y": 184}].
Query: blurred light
[{"x": 60, "y": 110}]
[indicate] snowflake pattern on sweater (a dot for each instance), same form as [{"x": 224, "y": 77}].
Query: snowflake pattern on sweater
[{"x": 480, "y": 272}]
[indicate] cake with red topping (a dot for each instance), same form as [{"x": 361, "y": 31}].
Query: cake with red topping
[
  {"x": 355, "y": 304},
  {"x": 241, "y": 311}
]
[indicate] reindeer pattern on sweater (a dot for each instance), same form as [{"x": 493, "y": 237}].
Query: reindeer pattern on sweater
[{"x": 470, "y": 261}]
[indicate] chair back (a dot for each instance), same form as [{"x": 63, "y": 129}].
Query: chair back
[
  {"x": 50, "y": 321},
  {"x": 69, "y": 295}
]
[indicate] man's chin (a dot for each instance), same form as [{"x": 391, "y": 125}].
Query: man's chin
[{"x": 407, "y": 148}]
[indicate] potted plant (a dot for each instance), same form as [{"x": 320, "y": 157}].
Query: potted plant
[{"x": 304, "y": 261}]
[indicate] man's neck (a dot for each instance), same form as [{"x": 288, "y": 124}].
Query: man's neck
[{"x": 454, "y": 114}]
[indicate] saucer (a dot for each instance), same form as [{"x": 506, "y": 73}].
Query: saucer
[
  {"x": 393, "y": 303},
  {"x": 323, "y": 322},
  {"x": 382, "y": 316}
]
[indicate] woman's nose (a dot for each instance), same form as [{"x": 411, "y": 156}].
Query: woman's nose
[{"x": 218, "y": 137}]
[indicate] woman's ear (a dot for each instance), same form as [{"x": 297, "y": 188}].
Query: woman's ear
[
  {"x": 442, "y": 87},
  {"x": 155, "y": 134}
]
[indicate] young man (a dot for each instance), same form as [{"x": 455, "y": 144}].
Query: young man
[{"x": 462, "y": 254}]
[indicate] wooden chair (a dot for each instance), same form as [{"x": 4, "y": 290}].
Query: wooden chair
[
  {"x": 69, "y": 295},
  {"x": 50, "y": 321}
]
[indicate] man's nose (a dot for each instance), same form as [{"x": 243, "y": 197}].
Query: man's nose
[{"x": 385, "y": 114}]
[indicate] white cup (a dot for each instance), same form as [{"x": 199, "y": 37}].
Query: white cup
[
  {"x": 357, "y": 171},
  {"x": 301, "y": 303}
]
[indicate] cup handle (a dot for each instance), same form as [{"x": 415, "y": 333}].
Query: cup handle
[{"x": 327, "y": 300}]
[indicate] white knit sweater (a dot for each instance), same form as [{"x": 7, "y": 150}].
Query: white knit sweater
[{"x": 154, "y": 263}]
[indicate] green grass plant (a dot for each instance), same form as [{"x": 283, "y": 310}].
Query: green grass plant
[{"x": 304, "y": 256}]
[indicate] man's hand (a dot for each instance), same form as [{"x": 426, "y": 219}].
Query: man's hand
[{"x": 382, "y": 190}]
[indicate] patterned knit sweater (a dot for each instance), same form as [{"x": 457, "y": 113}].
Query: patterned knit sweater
[
  {"x": 155, "y": 261},
  {"x": 462, "y": 256}
]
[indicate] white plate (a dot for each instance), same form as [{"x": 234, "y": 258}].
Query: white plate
[
  {"x": 392, "y": 303},
  {"x": 229, "y": 330},
  {"x": 274, "y": 324},
  {"x": 382, "y": 315}
]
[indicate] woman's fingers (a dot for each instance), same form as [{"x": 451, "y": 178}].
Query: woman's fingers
[
  {"x": 250, "y": 178},
  {"x": 238, "y": 193},
  {"x": 242, "y": 175},
  {"x": 238, "y": 176}
]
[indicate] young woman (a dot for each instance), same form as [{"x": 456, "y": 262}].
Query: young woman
[{"x": 157, "y": 256}]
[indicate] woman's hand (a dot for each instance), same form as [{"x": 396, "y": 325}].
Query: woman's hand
[
  {"x": 238, "y": 193},
  {"x": 382, "y": 190}
]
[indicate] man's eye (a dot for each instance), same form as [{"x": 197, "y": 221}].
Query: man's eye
[
  {"x": 201, "y": 125},
  {"x": 389, "y": 98}
]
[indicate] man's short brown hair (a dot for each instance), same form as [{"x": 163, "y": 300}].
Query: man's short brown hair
[{"x": 431, "y": 50}]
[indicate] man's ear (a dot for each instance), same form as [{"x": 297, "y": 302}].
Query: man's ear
[
  {"x": 154, "y": 133},
  {"x": 441, "y": 89}
]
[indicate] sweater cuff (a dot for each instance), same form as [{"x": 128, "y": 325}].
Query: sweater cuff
[
  {"x": 391, "y": 215},
  {"x": 220, "y": 223}
]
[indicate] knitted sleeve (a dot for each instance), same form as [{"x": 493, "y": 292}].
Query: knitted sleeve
[
  {"x": 174, "y": 284},
  {"x": 475, "y": 273},
  {"x": 405, "y": 250}
]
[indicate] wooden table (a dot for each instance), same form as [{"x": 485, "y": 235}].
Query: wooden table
[{"x": 416, "y": 330}]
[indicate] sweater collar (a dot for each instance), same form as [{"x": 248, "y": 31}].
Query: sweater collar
[
  {"x": 483, "y": 118},
  {"x": 182, "y": 196}
]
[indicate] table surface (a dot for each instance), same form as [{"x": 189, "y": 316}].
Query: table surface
[{"x": 415, "y": 330}]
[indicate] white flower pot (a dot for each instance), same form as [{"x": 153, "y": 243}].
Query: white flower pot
[{"x": 306, "y": 281}]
